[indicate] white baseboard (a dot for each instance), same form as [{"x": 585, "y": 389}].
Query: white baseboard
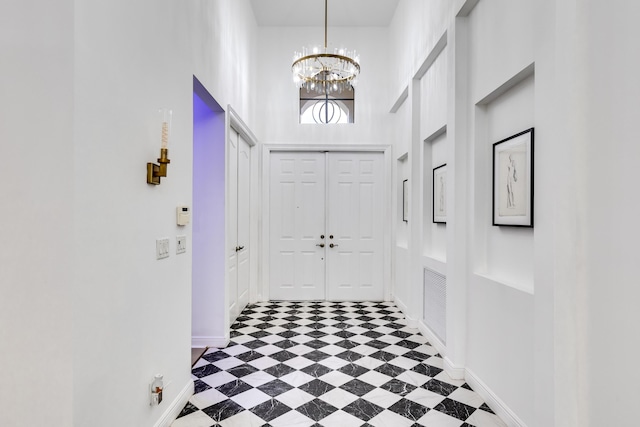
[
  {"x": 215, "y": 342},
  {"x": 400, "y": 305},
  {"x": 455, "y": 372},
  {"x": 432, "y": 338},
  {"x": 461, "y": 373},
  {"x": 495, "y": 403},
  {"x": 411, "y": 322},
  {"x": 176, "y": 406}
]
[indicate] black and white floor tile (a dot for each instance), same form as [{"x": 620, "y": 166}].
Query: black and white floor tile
[{"x": 328, "y": 364}]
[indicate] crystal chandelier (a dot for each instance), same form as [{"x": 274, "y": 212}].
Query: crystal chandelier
[{"x": 323, "y": 71}]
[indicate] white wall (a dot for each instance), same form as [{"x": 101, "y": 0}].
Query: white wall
[
  {"x": 416, "y": 27},
  {"x": 88, "y": 314},
  {"x": 547, "y": 307},
  {"x": 278, "y": 98},
  {"x": 127, "y": 300},
  {"x": 401, "y": 231},
  {"x": 490, "y": 322},
  {"x": 500, "y": 346},
  {"x": 611, "y": 209},
  {"x": 36, "y": 193}
]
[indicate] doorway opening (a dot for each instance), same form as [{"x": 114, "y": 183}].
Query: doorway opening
[{"x": 208, "y": 327}]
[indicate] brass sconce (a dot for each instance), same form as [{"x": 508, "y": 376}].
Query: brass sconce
[{"x": 156, "y": 171}]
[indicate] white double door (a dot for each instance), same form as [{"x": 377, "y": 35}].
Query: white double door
[
  {"x": 326, "y": 226},
  {"x": 239, "y": 213}
]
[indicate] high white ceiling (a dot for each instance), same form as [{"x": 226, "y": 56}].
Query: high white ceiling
[{"x": 343, "y": 13}]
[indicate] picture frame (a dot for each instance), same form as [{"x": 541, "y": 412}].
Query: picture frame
[
  {"x": 439, "y": 194},
  {"x": 405, "y": 200},
  {"x": 513, "y": 173}
]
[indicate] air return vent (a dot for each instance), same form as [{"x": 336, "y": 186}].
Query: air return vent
[{"x": 435, "y": 303}]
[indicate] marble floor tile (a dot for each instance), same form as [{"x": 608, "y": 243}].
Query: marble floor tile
[
  {"x": 328, "y": 364},
  {"x": 485, "y": 419}
]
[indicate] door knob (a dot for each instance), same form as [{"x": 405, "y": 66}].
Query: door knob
[
  {"x": 322, "y": 236},
  {"x": 321, "y": 245},
  {"x": 332, "y": 245}
]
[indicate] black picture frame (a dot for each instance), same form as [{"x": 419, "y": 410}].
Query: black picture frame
[
  {"x": 405, "y": 200},
  {"x": 513, "y": 180},
  {"x": 439, "y": 195}
]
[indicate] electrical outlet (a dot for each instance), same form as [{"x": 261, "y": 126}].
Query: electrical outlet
[
  {"x": 181, "y": 244},
  {"x": 162, "y": 248}
]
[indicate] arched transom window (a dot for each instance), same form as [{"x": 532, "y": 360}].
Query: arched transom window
[{"x": 326, "y": 109}]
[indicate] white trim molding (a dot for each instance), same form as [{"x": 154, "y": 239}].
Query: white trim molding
[
  {"x": 454, "y": 371},
  {"x": 411, "y": 322},
  {"x": 215, "y": 342},
  {"x": 236, "y": 122},
  {"x": 176, "y": 406},
  {"x": 493, "y": 401},
  {"x": 432, "y": 338}
]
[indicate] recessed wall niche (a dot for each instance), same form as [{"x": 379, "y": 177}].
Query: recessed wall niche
[
  {"x": 433, "y": 96},
  {"x": 504, "y": 254},
  {"x": 433, "y": 131},
  {"x": 435, "y": 234}
]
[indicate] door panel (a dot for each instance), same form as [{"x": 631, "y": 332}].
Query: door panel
[
  {"x": 297, "y": 189},
  {"x": 355, "y": 220},
  {"x": 244, "y": 197},
  {"x": 232, "y": 235},
  {"x": 350, "y": 217}
]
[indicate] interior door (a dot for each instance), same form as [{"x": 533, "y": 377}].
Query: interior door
[
  {"x": 244, "y": 197},
  {"x": 238, "y": 250},
  {"x": 326, "y": 244},
  {"x": 297, "y": 222},
  {"x": 355, "y": 226},
  {"x": 232, "y": 232}
]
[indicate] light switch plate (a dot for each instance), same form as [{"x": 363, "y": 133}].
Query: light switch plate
[
  {"x": 181, "y": 244},
  {"x": 162, "y": 248}
]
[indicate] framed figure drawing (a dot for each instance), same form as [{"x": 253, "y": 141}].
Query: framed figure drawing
[
  {"x": 405, "y": 200},
  {"x": 513, "y": 180},
  {"x": 440, "y": 194}
]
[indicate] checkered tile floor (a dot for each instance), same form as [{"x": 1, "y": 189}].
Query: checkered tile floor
[{"x": 328, "y": 364}]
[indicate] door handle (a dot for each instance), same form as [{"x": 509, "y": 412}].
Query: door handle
[
  {"x": 333, "y": 245},
  {"x": 321, "y": 245},
  {"x": 239, "y": 248}
]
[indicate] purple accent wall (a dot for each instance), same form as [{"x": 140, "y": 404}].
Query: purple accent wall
[{"x": 208, "y": 243}]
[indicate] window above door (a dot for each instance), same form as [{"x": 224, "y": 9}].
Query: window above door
[{"x": 326, "y": 109}]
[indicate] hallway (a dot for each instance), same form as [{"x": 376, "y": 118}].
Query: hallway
[
  {"x": 525, "y": 291},
  {"x": 328, "y": 364}
]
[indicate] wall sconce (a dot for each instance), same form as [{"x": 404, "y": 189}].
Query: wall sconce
[{"x": 154, "y": 171}]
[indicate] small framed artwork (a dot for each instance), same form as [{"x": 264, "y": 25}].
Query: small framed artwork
[
  {"x": 513, "y": 180},
  {"x": 440, "y": 194},
  {"x": 405, "y": 200}
]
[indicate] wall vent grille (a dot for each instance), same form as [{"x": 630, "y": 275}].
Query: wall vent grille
[{"x": 435, "y": 303}]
